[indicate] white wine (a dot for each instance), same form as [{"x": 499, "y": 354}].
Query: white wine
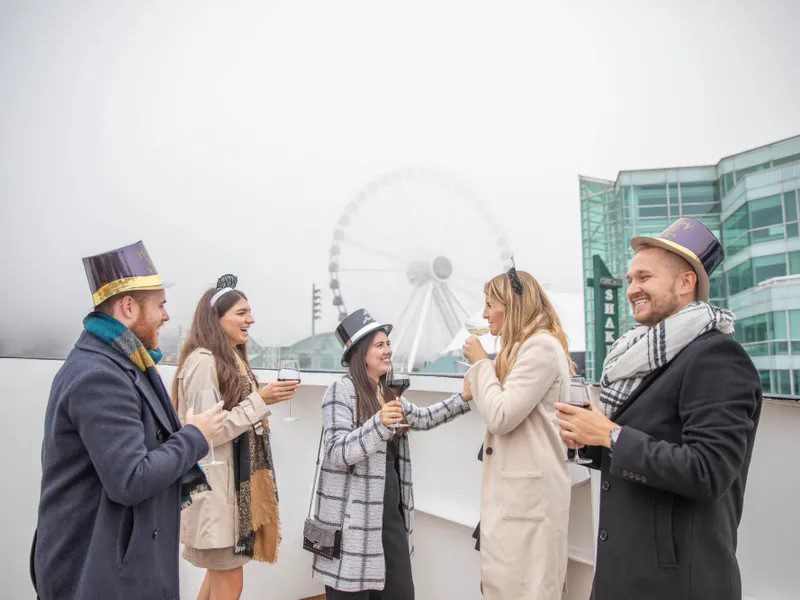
[{"x": 479, "y": 331}]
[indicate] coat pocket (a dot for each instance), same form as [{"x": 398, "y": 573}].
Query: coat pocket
[
  {"x": 126, "y": 536},
  {"x": 521, "y": 495},
  {"x": 665, "y": 539}
]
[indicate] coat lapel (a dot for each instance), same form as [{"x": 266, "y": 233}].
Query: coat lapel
[
  {"x": 638, "y": 392},
  {"x": 142, "y": 383}
]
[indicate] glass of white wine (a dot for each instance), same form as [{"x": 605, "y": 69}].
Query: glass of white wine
[
  {"x": 477, "y": 326},
  {"x": 203, "y": 401},
  {"x": 289, "y": 371}
]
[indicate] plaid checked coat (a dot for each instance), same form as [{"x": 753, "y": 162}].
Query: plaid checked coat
[{"x": 361, "y": 451}]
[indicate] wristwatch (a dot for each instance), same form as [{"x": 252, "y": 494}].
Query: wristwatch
[{"x": 613, "y": 436}]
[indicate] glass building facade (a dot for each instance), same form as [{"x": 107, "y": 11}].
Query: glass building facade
[{"x": 750, "y": 201}]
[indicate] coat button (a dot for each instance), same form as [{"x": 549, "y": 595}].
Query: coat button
[
  {"x": 155, "y": 533},
  {"x": 489, "y": 450},
  {"x": 644, "y": 479},
  {"x": 606, "y": 486},
  {"x": 603, "y": 535},
  {"x": 625, "y": 473},
  {"x": 636, "y": 476}
]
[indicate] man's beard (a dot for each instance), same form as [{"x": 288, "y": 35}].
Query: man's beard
[
  {"x": 662, "y": 308},
  {"x": 147, "y": 334}
]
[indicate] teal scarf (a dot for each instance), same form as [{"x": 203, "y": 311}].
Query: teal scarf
[{"x": 122, "y": 339}]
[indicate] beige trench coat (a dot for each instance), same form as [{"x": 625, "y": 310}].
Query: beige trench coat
[
  {"x": 208, "y": 522},
  {"x": 525, "y": 489}
]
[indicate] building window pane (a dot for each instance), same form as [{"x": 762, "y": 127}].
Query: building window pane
[
  {"x": 700, "y": 209},
  {"x": 767, "y": 267},
  {"x": 767, "y": 234},
  {"x": 766, "y": 211},
  {"x": 740, "y": 277},
  {"x": 790, "y": 203},
  {"x": 791, "y": 230},
  {"x": 699, "y": 191},
  {"x": 796, "y": 383},
  {"x": 754, "y": 329},
  {"x": 794, "y": 324},
  {"x": 782, "y": 382},
  {"x": 716, "y": 286},
  {"x": 650, "y": 195},
  {"x": 778, "y": 323},
  {"x": 763, "y": 375},
  {"x": 652, "y": 211},
  {"x": 794, "y": 263},
  {"x": 736, "y": 224}
]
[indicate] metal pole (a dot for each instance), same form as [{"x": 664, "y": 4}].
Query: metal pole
[{"x": 414, "y": 346}]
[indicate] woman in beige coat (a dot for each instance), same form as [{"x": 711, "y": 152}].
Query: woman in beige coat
[
  {"x": 525, "y": 490},
  {"x": 237, "y": 519}
]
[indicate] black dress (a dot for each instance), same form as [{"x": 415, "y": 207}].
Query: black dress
[{"x": 399, "y": 583}]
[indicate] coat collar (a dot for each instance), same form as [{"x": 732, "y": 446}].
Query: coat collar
[{"x": 90, "y": 343}]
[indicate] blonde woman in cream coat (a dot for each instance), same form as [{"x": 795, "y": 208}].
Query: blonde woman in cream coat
[{"x": 525, "y": 489}]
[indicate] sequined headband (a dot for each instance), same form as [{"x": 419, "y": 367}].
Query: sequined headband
[
  {"x": 225, "y": 284},
  {"x": 513, "y": 278}
]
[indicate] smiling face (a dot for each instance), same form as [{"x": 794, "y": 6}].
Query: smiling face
[
  {"x": 494, "y": 311},
  {"x": 660, "y": 284},
  {"x": 378, "y": 357},
  {"x": 236, "y": 322}
]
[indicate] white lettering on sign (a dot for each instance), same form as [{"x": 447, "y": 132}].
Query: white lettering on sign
[
  {"x": 608, "y": 308},
  {"x": 609, "y": 337},
  {"x": 609, "y": 324},
  {"x": 609, "y": 295}
]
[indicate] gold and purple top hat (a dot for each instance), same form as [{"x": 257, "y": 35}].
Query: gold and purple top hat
[
  {"x": 692, "y": 241},
  {"x": 125, "y": 269}
]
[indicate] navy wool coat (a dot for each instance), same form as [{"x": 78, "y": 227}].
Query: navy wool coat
[
  {"x": 672, "y": 491},
  {"x": 112, "y": 458}
]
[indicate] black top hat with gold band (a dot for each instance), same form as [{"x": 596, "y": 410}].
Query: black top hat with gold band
[
  {"x": 693, "y": 241},
  {"x": 125, "y": 269},
  {"x": 355, "y": 327}
]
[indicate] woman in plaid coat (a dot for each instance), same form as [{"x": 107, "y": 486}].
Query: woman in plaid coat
[{"x": 365, "y": 483}]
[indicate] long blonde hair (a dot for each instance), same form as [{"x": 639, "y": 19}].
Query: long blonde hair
[{"x": 526, "y": 314}]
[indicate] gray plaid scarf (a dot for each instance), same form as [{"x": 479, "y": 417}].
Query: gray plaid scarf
[{"x": 644, "y": 349}]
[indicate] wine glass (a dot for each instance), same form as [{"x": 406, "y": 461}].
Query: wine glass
[
  {"x": 289, "y": 371},
  {"x": 477, "y": 326},
  {"x": 578, "y": 396},
  {"x": 203, "y": 401},
  {"x": 398, "y": 380}
]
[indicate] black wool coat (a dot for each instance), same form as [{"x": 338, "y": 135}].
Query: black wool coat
[
  {"x": 673, "y": 488},
  {"x": 112, "y": 458}
]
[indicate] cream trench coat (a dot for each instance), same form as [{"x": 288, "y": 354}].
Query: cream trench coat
[
  {"x": 208, "y": 521},
  {"x": 525, "y": 489}
]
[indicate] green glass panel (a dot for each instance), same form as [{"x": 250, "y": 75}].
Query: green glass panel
[
  {"x": 761, "y": 349},
  {"x": 699, "y": 191},
  {"x": 794, "y": 263},
  {"x": 650, "y": 195},
  {"x": 780, "y": 348},
  {"x": 673, "y": 194},
  {"x": 736, "y": 224},
  {"x": 791, "y": 230},
  {"x": 767, "y": 267},
  {"x": 700, "y": 209},
  {"x": 746, "y": 171},
  {"x": 740, "y": 277},
  {"x": 739, "y": 244},
  {"x": 767, "y": 234},
  {"x": 766, "y": 211},
  {"x": 796, "y": 375},
  {"x": 652, "y": 211},
  {"x": 782, "y": 382},
  {"x": 786, "y": 160},
  {"x": 727, "y": 183},
  {"x": 754, "y": 329},
  {"x": 763, "y": 375},
  {"x": 794, "y": 324},
  {"x": 790, "y": 205},
  {"x": 778, "y": 319},
  {"x": 716, "y": 285}
]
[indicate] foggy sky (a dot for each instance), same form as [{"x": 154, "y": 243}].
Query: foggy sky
[{"x": 231, "y": 136}]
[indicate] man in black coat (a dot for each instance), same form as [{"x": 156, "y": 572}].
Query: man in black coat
[
  {"x": 684, "y": 401},
  {"x": 114, "y": 453}
]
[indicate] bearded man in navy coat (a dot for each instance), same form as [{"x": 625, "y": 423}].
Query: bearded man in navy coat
[{"x": 115, "y": 460}]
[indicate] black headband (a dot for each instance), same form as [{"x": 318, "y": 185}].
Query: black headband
[{"x": 513, "y": 278}]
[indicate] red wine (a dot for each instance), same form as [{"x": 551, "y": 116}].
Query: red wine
[{"x": 399, "y": 385}]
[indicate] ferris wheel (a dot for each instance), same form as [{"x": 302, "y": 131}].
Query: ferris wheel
[{"x": 415, "y": 247}]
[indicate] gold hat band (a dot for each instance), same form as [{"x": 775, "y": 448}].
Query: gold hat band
[
  {"x": 679, "y": 248},
  {"x": 127, "y": 284}
]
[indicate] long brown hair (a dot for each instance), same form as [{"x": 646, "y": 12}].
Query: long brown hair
[
  {"x": 206, "y": 332},
  {"x": 526, "y": 314},
  {"x": 367, "y": 403}
]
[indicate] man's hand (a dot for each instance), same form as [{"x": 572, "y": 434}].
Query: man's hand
[
  {"x": 278, "y": 391},
  {"x": 580, "y": 426},
  {"x": 473, "y": 350},
  {"x": 209, "y": 422}
]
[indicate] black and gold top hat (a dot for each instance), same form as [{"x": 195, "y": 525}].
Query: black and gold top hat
[
  {"x": 354, "y": 327},
  {"x": 693, "y": 241},
  {"x": 125, "y": 269}
]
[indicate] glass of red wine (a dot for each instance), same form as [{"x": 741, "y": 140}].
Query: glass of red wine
[
  {"x": 289, "y": 371},
  {"x": 398, "y": 380},
  {"x": 578, "y": 396}
]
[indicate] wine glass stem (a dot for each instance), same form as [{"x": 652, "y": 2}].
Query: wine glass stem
[
  {"x": 211, "y": 446},
  {"x": 290, "y": 408}
]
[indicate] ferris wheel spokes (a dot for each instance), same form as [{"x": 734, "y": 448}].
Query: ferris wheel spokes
[
  {"x": 423, "y": 315},
  {"x": 377, "y": 251}
]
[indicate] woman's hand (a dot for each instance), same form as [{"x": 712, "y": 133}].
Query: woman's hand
[
  {"x": 473, "y": 350},
  {"x": 391, "y": 413},
  {"x": 466, "y": 392},
  {"x": 278, "y": 391}
]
